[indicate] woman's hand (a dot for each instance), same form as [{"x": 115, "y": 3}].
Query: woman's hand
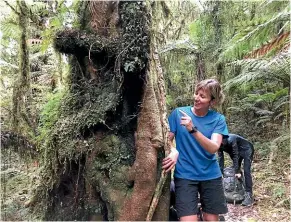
[
  {"x": 170, "y": 161},
  {"x": 186, "y": 121}
]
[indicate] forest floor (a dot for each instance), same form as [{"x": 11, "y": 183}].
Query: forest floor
[{"x": 271, "y": 193}]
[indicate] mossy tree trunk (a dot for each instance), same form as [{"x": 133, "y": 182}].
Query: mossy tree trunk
[
  {"x": 22, "y": 84},
  {"x": 102, "y": 160}
]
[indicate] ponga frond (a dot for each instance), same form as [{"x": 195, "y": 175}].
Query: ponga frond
[
  {"x": 10, "y": 27},
  {"x": 241, "y": 43},
  {"x": 275, "y": 69}
]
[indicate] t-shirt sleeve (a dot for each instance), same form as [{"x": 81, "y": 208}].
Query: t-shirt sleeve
[
  {"x": 221, "y": 127},
  {"x": 173, "y": 121}
]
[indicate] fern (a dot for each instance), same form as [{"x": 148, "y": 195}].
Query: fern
[
  {"x": 276, "y": 69},
  {"x": 276, "y": 143},
  {"x": 185, "y": 44},
  {"x": 49, "y": 114},
  {"x": 242, "y": 43},
  {"x": 261, "y": 121},
  {"x": 10, "y": 28},
  {"x": 283, "y": 101}
]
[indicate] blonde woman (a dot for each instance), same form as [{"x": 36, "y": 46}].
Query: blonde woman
[{"x": 198, "y": 131}]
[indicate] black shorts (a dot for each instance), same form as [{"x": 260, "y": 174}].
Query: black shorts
[{"x": 211, "y": 196}]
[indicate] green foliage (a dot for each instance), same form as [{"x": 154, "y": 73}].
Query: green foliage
[
  {"x": 63, "y": 16},
  {"x": 269, "y": 103},
  {"x": 68, "y": 117},
  {"x": 262, "y": 149},
  {"x": 244, "y": 42},
  {"x": 10, "y": 28},
  {"x": 50, "y": 114},
  {"x": 266, "y": 99},
  {"x": 180, "y": 71},
  {"x": 260, "y": 22},
  {"x": 202, "y": 33},
  {"x": 279, "y": 191},
  {"x": 185, "y": 46},
  {"x": 135, "y": 39}
]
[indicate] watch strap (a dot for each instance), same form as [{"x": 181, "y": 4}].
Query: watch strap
[{"x": 193, "y": 130}]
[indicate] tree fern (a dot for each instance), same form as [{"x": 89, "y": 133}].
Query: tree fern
[
  {"x": 275, "y": 69},
  {"x": 242, "y": 42},
  {"x": 9, "y": 27}
]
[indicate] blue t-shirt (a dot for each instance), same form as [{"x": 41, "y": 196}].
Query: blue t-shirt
[{"x": 194, "y": 162}]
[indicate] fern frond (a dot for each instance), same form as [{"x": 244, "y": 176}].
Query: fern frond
[
  {"x": 262, "y": 121},
  {"x": 10, "y": 28},
  {"x": 185, "y": 44},
  {"x": 278, "y": 42},
  {"x": 275, "y": 69},
  {"x": 264, "y": 112},
  {"x": 281, "y": 115},
  {"x": 3, "y": 63},
  {"x": 234, "y": 109},
  {"x": 287, "y": 102},
  {"x": 240, "y": 45}
]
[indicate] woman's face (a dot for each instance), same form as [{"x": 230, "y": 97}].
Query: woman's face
[{"x": 202, "y": 99}]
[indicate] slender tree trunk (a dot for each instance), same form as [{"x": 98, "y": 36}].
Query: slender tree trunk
[{"x": 22, "y": 84}]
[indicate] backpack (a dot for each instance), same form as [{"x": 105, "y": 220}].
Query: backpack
[{"x": 233, "y": 187}]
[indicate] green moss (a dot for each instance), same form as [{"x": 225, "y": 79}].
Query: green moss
[
  {"x": 16, "y": 183},
  {"x": 81, "y": 42},
  {"x": 113, "y": 153},
  {"x": 136, "y": 38},
  {"x": 74, "y": 122},
  {"x": 94, "y": 125}
]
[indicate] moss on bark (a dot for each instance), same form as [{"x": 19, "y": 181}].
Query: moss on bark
[{"x": 102, "y": 155}]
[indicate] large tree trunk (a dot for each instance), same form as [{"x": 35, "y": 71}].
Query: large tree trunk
[{"x": 102, "y": 160}]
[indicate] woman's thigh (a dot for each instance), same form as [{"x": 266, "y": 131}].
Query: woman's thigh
[{"x": 212, "y": 196}]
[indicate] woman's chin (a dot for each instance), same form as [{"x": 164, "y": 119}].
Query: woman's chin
[{"x": 197, "y": 106}]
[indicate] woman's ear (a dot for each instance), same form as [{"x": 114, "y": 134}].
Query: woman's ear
[{"x": 212, "y": 102}]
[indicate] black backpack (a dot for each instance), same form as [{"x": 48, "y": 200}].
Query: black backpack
[{"x": 233, "y": 188}]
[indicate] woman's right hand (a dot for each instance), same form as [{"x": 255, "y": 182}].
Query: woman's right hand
[{"x": 170, "y": 161}]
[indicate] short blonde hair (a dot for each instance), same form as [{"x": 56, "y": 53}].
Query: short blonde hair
[{"x": 214, "y": 88}]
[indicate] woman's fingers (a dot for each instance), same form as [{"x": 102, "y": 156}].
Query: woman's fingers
[
  {"x": 167, "y": 167},
  {"x": 170, "y": 168},
  {"x": 170, "y": 161},
  {"x": 183, "y": 113},
  {"x": 185, "y": 121},
  {"x": 167, "y": 159}
]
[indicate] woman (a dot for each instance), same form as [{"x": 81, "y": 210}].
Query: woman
[{"x": 198, "y": 132}]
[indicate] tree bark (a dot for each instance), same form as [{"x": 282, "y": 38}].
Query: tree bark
[{"x": 102, "y": 157}]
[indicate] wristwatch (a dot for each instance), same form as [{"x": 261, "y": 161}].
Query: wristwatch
[{"x": 193, "y": 130}]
